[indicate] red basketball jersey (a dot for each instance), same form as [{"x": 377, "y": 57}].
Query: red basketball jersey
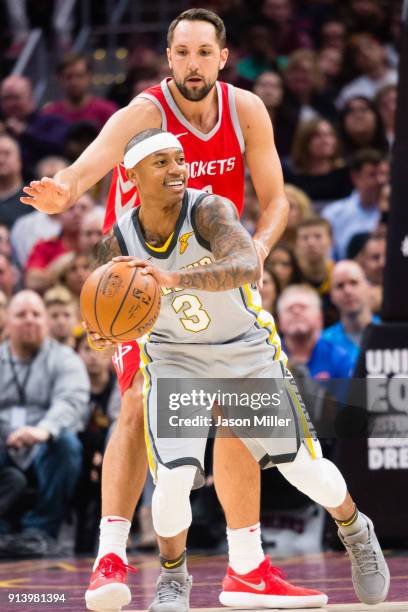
[{"x": 215, "y": 160}]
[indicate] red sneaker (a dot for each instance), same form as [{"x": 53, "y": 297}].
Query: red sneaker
[
  {"x": 264, "y": 587},
  {"x": 107, "y": 588}
]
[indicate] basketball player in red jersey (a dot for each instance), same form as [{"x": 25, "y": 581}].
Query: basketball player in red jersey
[{"x": 216, "y": 130}]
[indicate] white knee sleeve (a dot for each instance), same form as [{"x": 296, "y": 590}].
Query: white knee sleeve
[
  {"x": 319, "y": 479},
  {"x": 171, "y": 509}
]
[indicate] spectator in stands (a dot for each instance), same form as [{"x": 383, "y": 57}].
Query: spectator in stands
[
  {"x": 350, "y": 293},
  {"x": 260, "y": 55},
  {"x": 104, "y": 403},
  {"x": 330, "y": 62},
  {"x": 149, "y": 78},
  {"x": 370, "y": 61},
  {"x": 44, "y": 402},
  {"x": 394, "y": 34},
  {"x": 269, "y": 87},
  {"x": 300, "y": 208},
  {"x": 313, "y": 251},
  {"x": 301, "y": 322},
  {"x": 368, "y": 16},
  {"x": 36, "y": 225},
  {"x": 38, "y": 134},
  {"x": 384, "y": 207},
  {"x": 386, "y": 103},
  {"x": 78, "y": 104},
  {"x": 332, "y": 35},
  {"x": 11, "y": 181},
  {"x": 283, "y": 263},
  {"x": 372, "y": 260},
  {"x": 90, "y": 232},
  {"x": 42, "y": 262},
  {"x": 5, "y": 243},
  {"x": 361, "y": 127},
  {"x": 270, "y": 289},
  {"x": 316, "y": 165},
  {"x": 288, "y": 31},
  {"x": 62, "y": 315},
  {"x": 8, "y": 276},
  {"x": 303, "y": 87},
  {"x": 3, "y": 314},
  {"x": 359, "y": 212},
  {"x": 137, "y": 79},
  {"x": 250, "y": 213},
  {"x": 78, "y": 137},
  {"x": 73, "y": 270}
]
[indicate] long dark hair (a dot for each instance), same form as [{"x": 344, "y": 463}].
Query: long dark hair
[{"x": 378, "y": 141}]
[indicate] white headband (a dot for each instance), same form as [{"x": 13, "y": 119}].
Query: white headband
[{"x": 146, "y": 147}]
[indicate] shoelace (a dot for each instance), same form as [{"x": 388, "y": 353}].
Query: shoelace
[
  {"x": 365, "y": 556},
  {"x": 170, "y": 591},
  {"x": 275, "y": 572},
  {"x": 109, "y": 568}
]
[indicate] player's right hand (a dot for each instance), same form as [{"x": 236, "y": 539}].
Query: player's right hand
[
  {"x": 95, "y": 341},
  {"x": 47, "y": 196}
]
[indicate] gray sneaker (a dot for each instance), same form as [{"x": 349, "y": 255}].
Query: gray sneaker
[
  {"x": 369, "y": 570},
  {"x": 172, "y": 593}
]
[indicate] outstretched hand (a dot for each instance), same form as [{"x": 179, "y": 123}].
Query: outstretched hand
[{"x": 47, "y": 196}]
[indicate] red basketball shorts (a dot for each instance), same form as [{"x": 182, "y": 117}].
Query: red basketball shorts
[{"x": 126, "y": 361}]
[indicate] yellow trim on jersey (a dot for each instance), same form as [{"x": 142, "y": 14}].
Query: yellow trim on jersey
[
  {"x": 306, "y": 431},
  {"x": 271, "y": 327},
  {"x": 147, "y": 385},
  {"x": 163, "y": 248}
]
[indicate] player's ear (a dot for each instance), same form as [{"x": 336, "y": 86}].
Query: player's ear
[
  {"x": 131, "y": 174},
  {"x": 169, "y": 57},
  {"x": 223, "y": 57}
]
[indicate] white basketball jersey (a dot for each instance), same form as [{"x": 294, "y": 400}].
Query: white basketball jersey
[{"x": 195, "y": 316}]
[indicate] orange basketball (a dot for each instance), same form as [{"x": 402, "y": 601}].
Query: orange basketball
[{"x": 118, "y": 302}]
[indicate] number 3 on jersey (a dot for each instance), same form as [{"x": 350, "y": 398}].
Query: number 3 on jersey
[{"x": 195, "y": 318}]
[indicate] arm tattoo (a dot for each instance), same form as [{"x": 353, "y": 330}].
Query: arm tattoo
[
  {"x": 236, "y": 260},
  {"x": 105, "y": 250}
]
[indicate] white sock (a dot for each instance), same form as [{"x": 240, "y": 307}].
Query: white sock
[
  {"x": 114, "y": 532},
  {"x": 245, "y": 548}
]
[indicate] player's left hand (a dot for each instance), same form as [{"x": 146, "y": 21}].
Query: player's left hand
[
  {"x": 27, "y": 436},
  {"x": 163, "y": 278},
  {"x": 95, "y": 341}
]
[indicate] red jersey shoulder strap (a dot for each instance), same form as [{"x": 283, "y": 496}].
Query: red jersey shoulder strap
[{"x": 230, "y": 103}]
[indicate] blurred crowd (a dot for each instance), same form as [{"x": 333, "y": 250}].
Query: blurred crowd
[{"x": 327, "y": 73}]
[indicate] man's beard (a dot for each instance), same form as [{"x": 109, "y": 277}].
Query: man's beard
[
  {"x": 194, "y": 95},
  {"x": 31, "y": 347},
  {"x": 300, "y": 333}
]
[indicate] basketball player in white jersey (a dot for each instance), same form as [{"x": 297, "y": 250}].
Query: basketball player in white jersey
[
  {"x": 196, "y": 54},
  {"x": 210, "y": 318}
]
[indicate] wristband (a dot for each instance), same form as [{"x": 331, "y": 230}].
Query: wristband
[{"x": 93, "y": 346}]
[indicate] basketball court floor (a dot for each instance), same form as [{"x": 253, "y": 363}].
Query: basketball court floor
[{"x": 329, "y": 572}]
